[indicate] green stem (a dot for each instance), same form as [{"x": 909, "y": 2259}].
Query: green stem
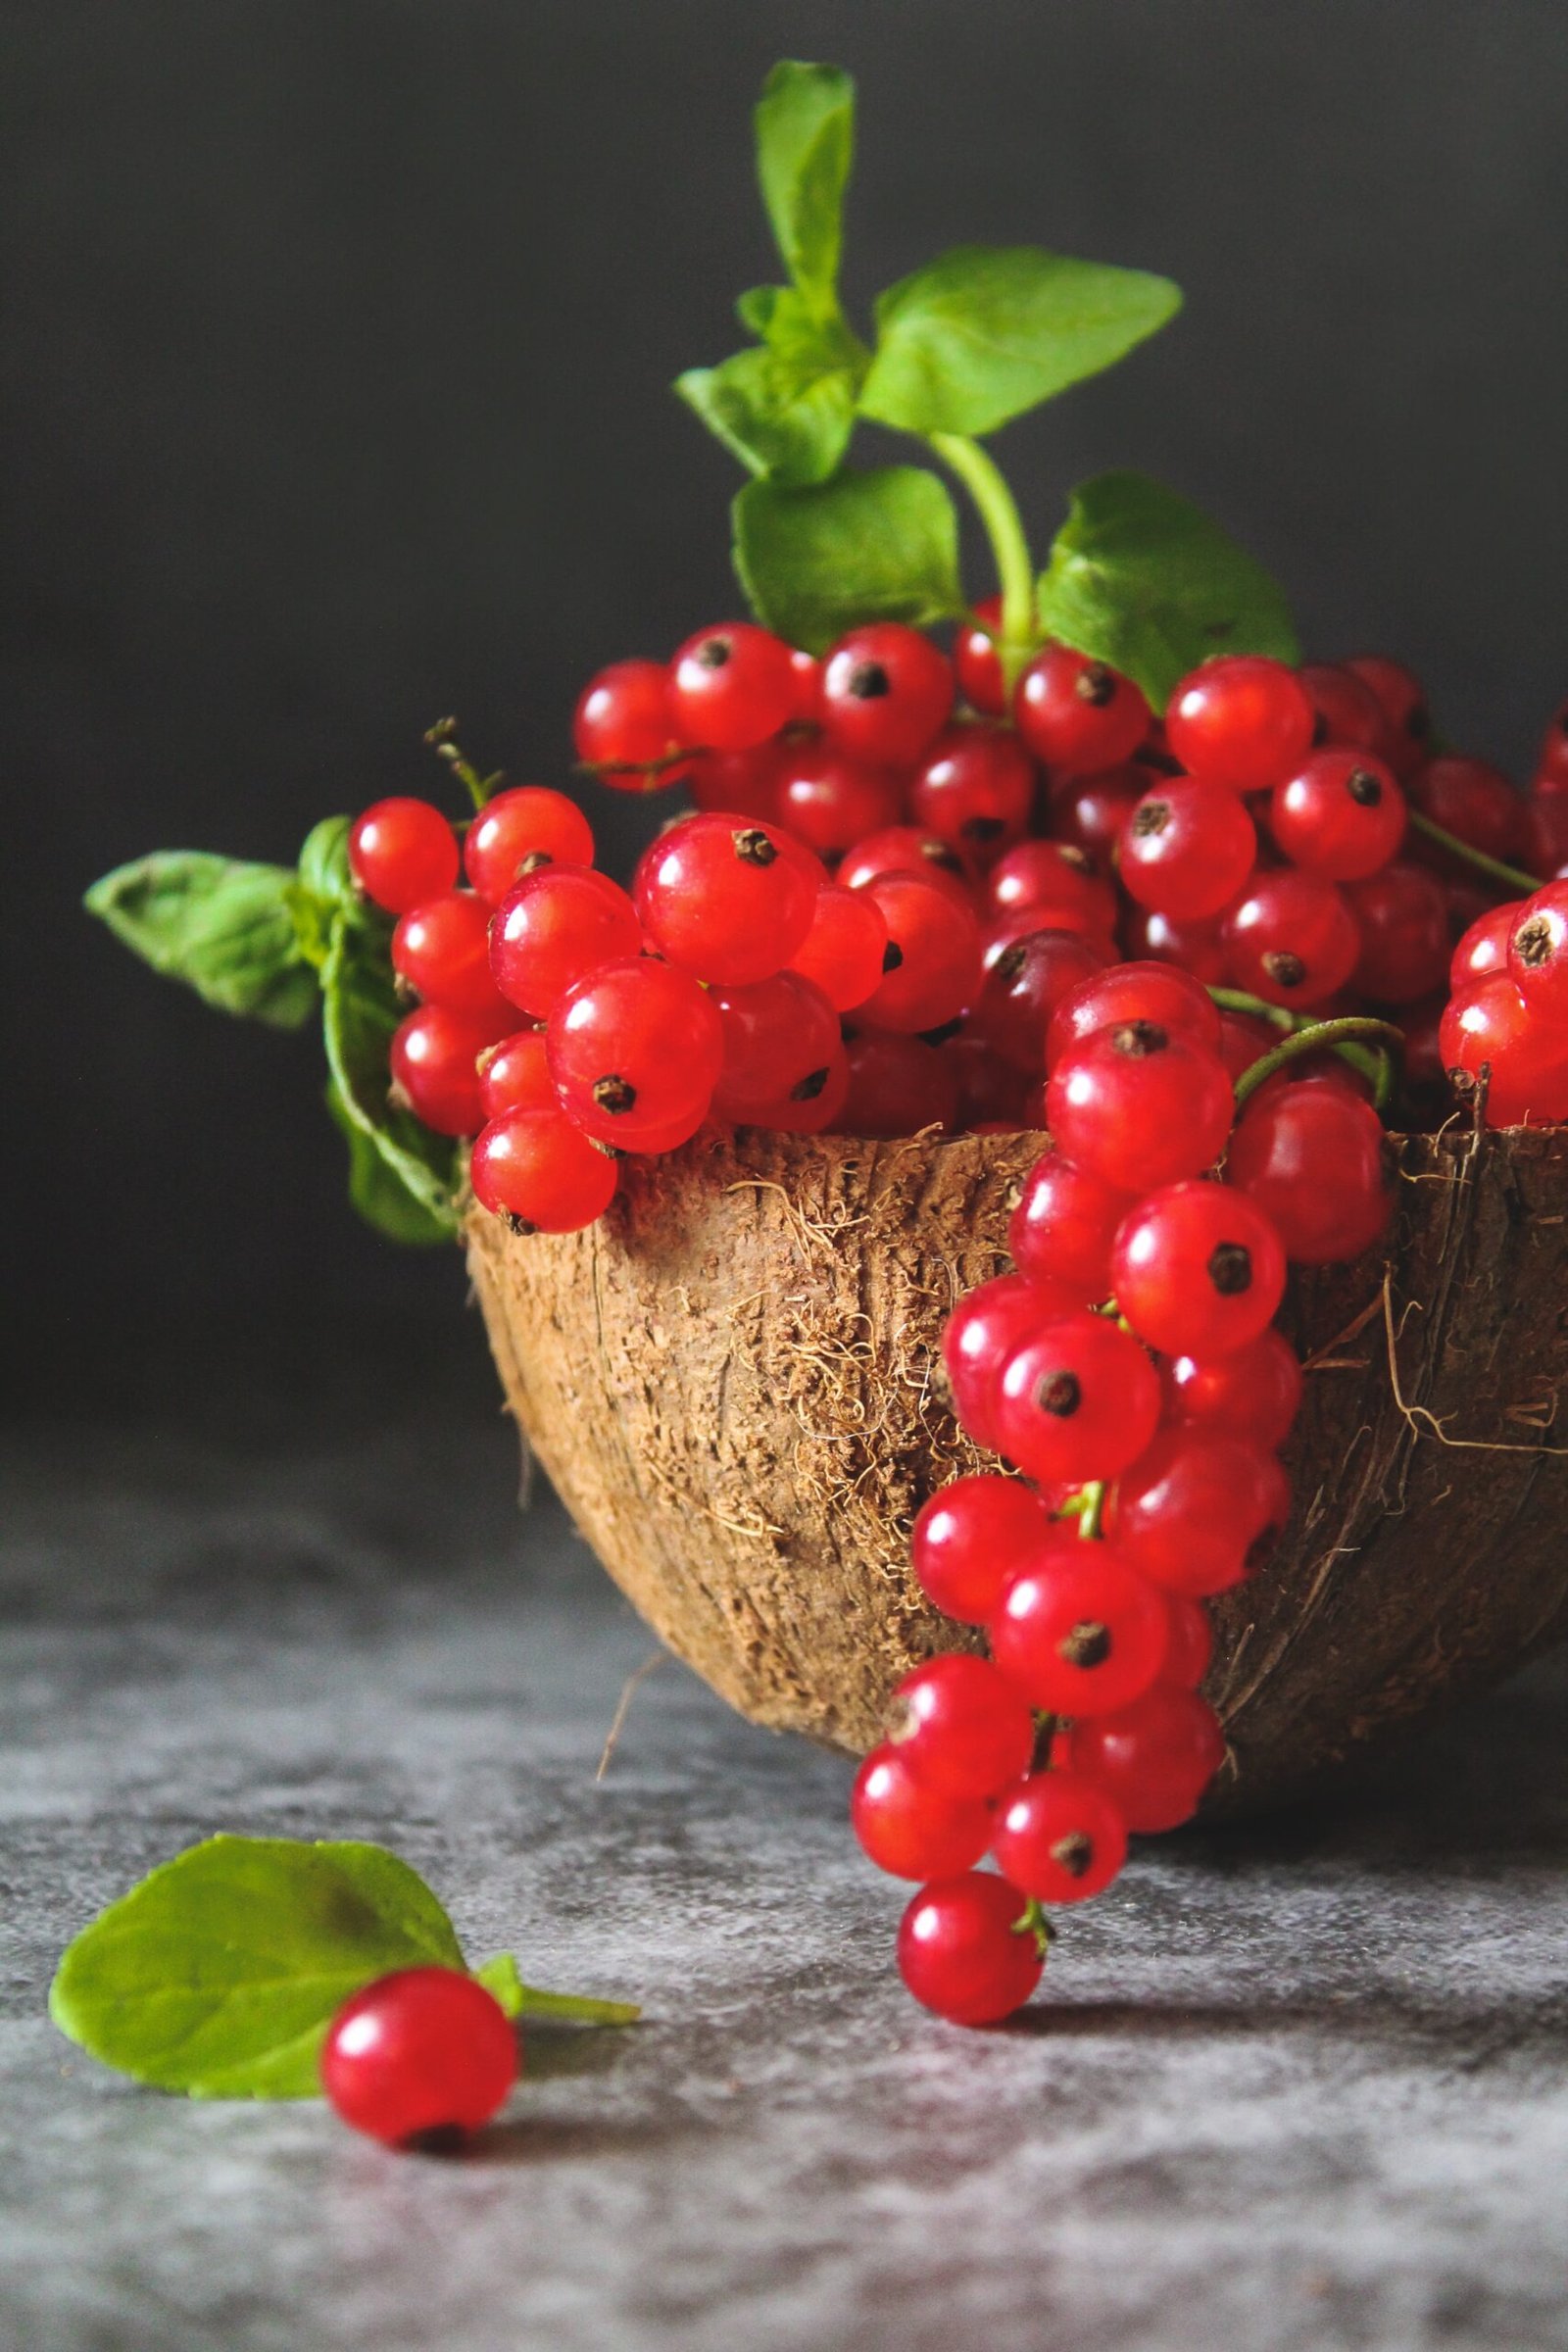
[
  {"x": 577, "y": 2007},
  {"x": 1094, "y": 1508},
  {"x": 1377, "y": 1066},
  {"x": 1512, "y": 878},
  {"x": 442, "y": 741},
  {"x": 998, "y": 510},
  {"x": 1307, "y": 1040}
]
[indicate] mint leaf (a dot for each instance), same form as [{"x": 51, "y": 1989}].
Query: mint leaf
[
  {"x": 220, "y": 1972},
  {"x": 360, "y": 1014},
  {"x": 377, "y": 1192},
  {"x": 223, "y": 926},
  {"x": 986, "y": 332},
  {"x": 1142, "y": 578},
  {"x": 786, "y": 410},
  {"x": 323, "y": 868},
  {"x": 805, "y": 122},
  {"x": 500, "y": 1977},
  {"x": 880, "y": 546}
]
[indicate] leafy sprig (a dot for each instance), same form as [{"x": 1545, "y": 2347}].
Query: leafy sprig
[{"x": 1137, "y": 577}]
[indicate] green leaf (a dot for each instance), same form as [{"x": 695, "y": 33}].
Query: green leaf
[
  {"x": 880, "y": 546},
  {"x": 219, "y": 1973},
  {"x": 360, "y": 1014},
  {"x": 221, "y": 925},
  {"x": 500, "y": 1977},
  {"x": 805, "y": 146},
  {"x": 377, "y": 1192},
  {"x": 786, "y": 410},
  {"x": 1142, "y": 578},
  {"x": 325, "y": 869},
  {"x": 986, "y": 332}
]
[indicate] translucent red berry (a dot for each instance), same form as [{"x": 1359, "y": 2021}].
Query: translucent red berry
[
  {"x": 1347, "y": 711},
  {"x": 844, "y": 950},
  {"x": 1490, "y": 1028},
  {"x": 1079, "y": 1632},
  {"x": 1404, "y": 703},
  {"x": 1340, "y": 815},
  {"x": 623, "y": 726},
  {"x": 1154, "y": 1761},
  {"x": 434, "y": 1064},
  {"x": 1077, "y": 714},
  {"x": 979, "y": 1336},
  {"x": 520, "y": 830},
  {"x": 931, "y": 963},
  {"x": 441, "y": 949},
  {"x": 1403, "y": 919},
  {"x": 886, "y": 692},
  {"x": 540, "y": 1172},
  {"x": 732, "y": 686},
  {"x": 1189, "y": 1650},
  {"x": 1140, "y": 1105},
  {"x": 1058, "y": 1838},
  {"x": 1197, "y": 1269},
  {"x": 1474, "y": 802},
  {"x": 1051, "y": 873},
  {"x": 555, "y": 927},
  {"x": 899, "y": 1085},
  {"x": 424, "y": 2054},
  {"x": 723, "y": 897},
  {"x": 975, "y": 790},
  {"x": 1537, "y": 956},
  {"x": 1196, "y": 948},
  {"x": 1077, "y": 1400},
  {"x": 971, "y": 1537},
  {"x": 909, "y": 1828},
  {"x": 1290, "y": 939},
  {"x": 976, "y": 662},
  {"x": 831, "y": 801},
  {"x": 1064, "y": 1224},
  {"x": 966, "y": 1949},
  {"x": 904, "y": 850},
  {"x": 1241, "y": 721},
  {"x": 1090, "y": 811},
  {"x": 1200, "y": 1509},
  {"x": 1484, "y": 945},
  {"x": 402, "y": 852},
  {"x": 515, "y": 1075},
  {"x": 635, "y": 1051},
  {"x": 1186, "y": 848},
  {"x": 959, "y": 1726},
  {"x": 1314, "y": 1159},
  {"x": 1254, "y": 1392},
  {"x": 1022, "y": 990},
  {"x": 781, "y": 1045},
  {"x": 1135, "y": 991}
]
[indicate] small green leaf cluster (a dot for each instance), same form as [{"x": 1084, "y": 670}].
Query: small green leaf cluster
[
  {"x": 220, "y": 1973},
  {"x": 978, "y": 337},
  {"x": 268, "y": 942}
]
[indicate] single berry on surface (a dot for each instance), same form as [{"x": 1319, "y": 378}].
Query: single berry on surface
[
  {"x": 541, "y": 1174},
  {"x": 1058, "y": 1838},
  {"x": 967, "y": 1950},
  {"x": 402, "y": 852},
  {"x": 424, "y": 2054},
  {"x": 909, "y": 1828}
]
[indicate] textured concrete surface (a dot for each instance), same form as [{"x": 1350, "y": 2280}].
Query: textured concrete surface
[{"x": 1295, "y": 2086}]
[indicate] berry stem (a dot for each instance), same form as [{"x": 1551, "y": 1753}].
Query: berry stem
[
  {"x": 998, "y": 510},
  {"x": 1092, "y": 1500},
  {"x": 1512, "y": 878},
  {"x": 442, "y": 739},
  {"x": 1309, "y": 1039},
  {"x": 1375, "y": 1065}
]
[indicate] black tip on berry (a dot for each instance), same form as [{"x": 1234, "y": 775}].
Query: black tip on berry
[
  {"x": 1074, "y": 1852},
  {"x": 1532, "y": 942},
  {"x": 614, "y": 1095},
  {"x": 1088, "y": 1643},
  {"x": 1150, "y": 818},
  {"x": 1135, "y": 1041},
  {"x": 1230, "y": 1269},
  {"x": 532, "y": 863},
  {"x": 714, "y": 652},
  {"x": 1010, "y": 962},
  {"x": 807, "y": 1089},
  {"x": 869, "y": 681},
  {"x": 1363, "y": 788},
  {"x": 892, "y": 956},
  {"x": 1059, "y": 1393},
  {"x": 983, "y": 828},
  {"x": 753, "y": 847},
  {"x": 518, "y": 1225},
  {"x": 1097, "y": 684},
  {"x": 1283, "y": 968}
]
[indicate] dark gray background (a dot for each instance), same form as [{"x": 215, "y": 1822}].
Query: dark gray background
[{"x": 335, "y": 342}]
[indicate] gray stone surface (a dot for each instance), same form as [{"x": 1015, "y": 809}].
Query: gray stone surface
[{"x": 1289, "y": 2085}]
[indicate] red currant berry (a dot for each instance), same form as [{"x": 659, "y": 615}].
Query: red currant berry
[
  {"x": 520, "y": 830},
  {"x": 1290, "y": 939},
  {"x": 931, "y": 963},
  {"x": 976, "y": 662},
  {"x": 1475, "y": 803},
  {"x": 1407, "y": 720},
  {"x": 1537, "y": 956},
  {"x": 402, "y": 852},
  {"x": 720, "y": 897},
  {"x": 635, "y": 1051},
  {"x": 1135, "y": 991},
  {"x": 991, "y": 1092},
  {"x": 1195, "y": 948},
  {"x": 441, "y": 949},
  {"x": 843, "y": 951},
  {"x": 1140, "y": 1105},
  {"x": 1022, "y": 990},
  {"x": 1187, "y": 848},
  {"x": 1342, "y": 815},
  {"x": 1154, "y": 1761},
  {"x": 912, "y": 1831},
  {"x": 1242, "y": 720},
  {"x": 960, "y": 1726},
  {"x": 975, "y": 790},
  {"x": 424, "y": 2054},
  {"x": 558, "y": 925},
  {"x": 966, "y": 1949},
  {"x": 1076, "y": 714},
  {"x": 807, "y": 672},
  {"x": 1026, "y": 922},
  {"x": 1403, "y": 919},
  {"x": 1254, "y": 1392},
  {"x": 1190, "y": 1650},
  {"x": 1199, "y": 1510},
  {"x": 904, "y": 850},
  {"x": 1063, "y": 1226},
  {"x": 898, "y": 1086},
  {"x": 515, "y": 1075},
  {"x": 831, "y": 802},
  {"x": 625, "y": 730},
  {"x": 1345, "y": 708},
  {"x": 1313, "y": 1157},
  {"x": 434, "y": 1057},
  {"x": 1245, "y": 1039},
  {"x": 1077, "y": 1400},
  {"x": 1090, "y": 811},
  {"x": 1484, "y": 946},
  {"x": 540, "y": 1173},
  {"x": 1079, "y": 1632},
  {"x": 1491, "y": 1027},
  {"x": 886, "y": 693},
  {"x": 971, "y": 1537},
  {"x": 731, "y": 687},
  {"x": 781, "y": 1044},
  {"x": 1551, "y": 767},
  {"x": 1547, "y": 831},
  {"x": 1197, "y": 1269},
  {"x": 738, "y": 783},
  {"x": 1058, "y": 1838},
  {"x": 982, "y": 1332},
  {"x": 1051, "y": 873},
  {"x": 814, "y": 1104}
]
